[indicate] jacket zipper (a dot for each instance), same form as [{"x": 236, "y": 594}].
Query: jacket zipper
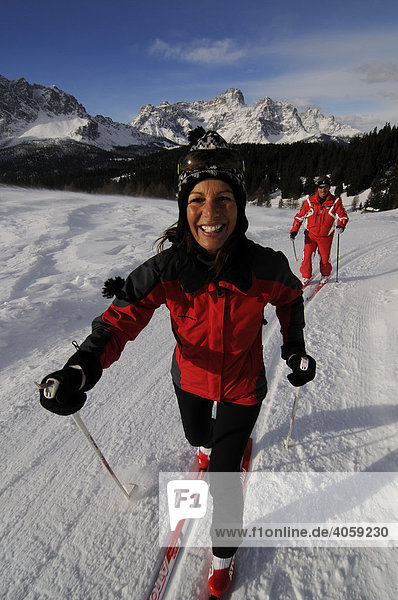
[{"x": 221, "y": 294}]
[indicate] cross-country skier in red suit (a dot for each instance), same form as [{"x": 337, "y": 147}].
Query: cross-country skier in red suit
[
  {"x": 322, "y": 212},
  {"x": 216, "y": 283}
]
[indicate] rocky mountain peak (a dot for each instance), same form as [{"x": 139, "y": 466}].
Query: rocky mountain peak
[
  {"x": 267, "y": 121},
  {"x": 36, "y": 112},
  {"x": 231, "y": 97}
]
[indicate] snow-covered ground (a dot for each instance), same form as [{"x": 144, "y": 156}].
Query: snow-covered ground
[{"x": 66, "y": 530}]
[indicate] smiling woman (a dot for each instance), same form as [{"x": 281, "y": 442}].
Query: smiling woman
[
  {"x": 211, "y": 200},
  {"x": 211, "y": 214},
  {"x": 215, "y": 283}
]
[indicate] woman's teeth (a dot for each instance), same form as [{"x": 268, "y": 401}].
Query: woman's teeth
[{"x": 211, "y": 228}]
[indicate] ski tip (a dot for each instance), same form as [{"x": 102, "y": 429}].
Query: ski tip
[{"x": 247, "y": 454}]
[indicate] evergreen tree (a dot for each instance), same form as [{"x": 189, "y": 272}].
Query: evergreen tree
[
  {"x": 354, "y": 204},
  {"x": 309, "y": 186}
]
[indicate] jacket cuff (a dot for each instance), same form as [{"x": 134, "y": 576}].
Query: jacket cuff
[
  {"x": 90, "y": 365},
  {"x": 290, "y": 348}
]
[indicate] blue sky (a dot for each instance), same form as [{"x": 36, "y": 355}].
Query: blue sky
[{"x": 116, "y": 55}]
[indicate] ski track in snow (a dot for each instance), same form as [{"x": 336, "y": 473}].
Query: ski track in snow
[{"x": 66, "y": 530}]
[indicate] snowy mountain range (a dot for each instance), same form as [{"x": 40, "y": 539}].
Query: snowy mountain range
[
  {"x": 30, "y": 112},
  {"x": 265, "y": 122},
  {"x": 35, "y": 112}
]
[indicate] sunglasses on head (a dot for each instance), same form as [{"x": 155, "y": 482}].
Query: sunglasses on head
[
  {"x": 323, "y": 187},
  {"x": 207, "y": 159}
]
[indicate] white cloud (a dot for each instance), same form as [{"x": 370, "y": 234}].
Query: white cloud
[
  {"x": 343, "y": 73},
  {"x": 200, "y": 51},
  {"x": 319, "y": 84},
  {"x": 165, "y": 49},
  {"x": 368, "y": 121},
  {"x": 336, "y": 91},
  {"x": 379, "y": 72},
  {"x": 337, "y": 48}
]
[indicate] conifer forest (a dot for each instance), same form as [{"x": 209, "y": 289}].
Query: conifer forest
[{"x": 369, "y": 161}]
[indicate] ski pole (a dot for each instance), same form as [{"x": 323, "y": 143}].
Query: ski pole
[
  {"x": 337, "y": 259},
  {"x": 91, "y": 441},
  {"x": 78, "y": 420},
  {"x": 287, "y": 439},
  {"x": 294, "y": 250},
  {"x": 76, "y": 417}
]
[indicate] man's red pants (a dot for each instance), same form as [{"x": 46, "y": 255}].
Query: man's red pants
[{"x": 323, "y": 244}]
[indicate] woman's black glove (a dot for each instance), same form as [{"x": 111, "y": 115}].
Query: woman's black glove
[
  {"x": 61, "y": 392},
  {"x": 303, "y": 367}
]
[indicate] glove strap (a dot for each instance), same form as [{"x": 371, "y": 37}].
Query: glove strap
[
  {"x": 84, "y": 379},
  {"x": 50, "y": 387}
]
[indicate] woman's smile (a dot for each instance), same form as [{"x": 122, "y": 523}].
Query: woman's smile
[{"x": 211, "y": 213}]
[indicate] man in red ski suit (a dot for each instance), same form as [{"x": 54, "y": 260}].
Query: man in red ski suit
[{"x": 321, "y": 211}]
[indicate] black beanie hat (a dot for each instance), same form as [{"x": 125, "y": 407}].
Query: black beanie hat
[
  {"x": 323, "y": 181},
  {"x": 212, "y": 158}
]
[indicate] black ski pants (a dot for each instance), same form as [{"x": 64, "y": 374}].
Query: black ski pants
[{"x": 227, "y": 435}]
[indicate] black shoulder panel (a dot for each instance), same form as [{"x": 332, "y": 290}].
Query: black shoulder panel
[
  {"x": 269, "y": 264},
  {"x": 144, "y": 278}
]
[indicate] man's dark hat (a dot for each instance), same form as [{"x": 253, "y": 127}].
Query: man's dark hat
[{"x": 323, "y": 181}]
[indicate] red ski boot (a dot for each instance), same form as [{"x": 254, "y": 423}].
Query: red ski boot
[
  {"x": 203, "y": 457},
  {"x": 220, "y": 575}
]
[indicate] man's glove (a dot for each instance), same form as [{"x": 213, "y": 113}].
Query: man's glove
[
  {"x": 293, "y": 234},
  {"x": 339, "y": 229},
  {"x": 60, "y": 392},
  {"x": 303, "y": 367}
]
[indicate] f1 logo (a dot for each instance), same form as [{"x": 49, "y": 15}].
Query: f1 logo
[{"x": 187, "y": 499}]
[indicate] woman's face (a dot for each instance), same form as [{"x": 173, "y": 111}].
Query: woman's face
[{"x": 211, "y": 213}]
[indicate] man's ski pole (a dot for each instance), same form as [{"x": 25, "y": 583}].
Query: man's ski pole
[
  {"x": 76, "y": 417},
  {"x": 287, "y": 439},
  {"x": 294, "y": 250},
  {"x": 337, "y": 259}
]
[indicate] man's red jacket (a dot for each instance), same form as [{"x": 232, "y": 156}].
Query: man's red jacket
[{"x": 322, "y": 217}]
